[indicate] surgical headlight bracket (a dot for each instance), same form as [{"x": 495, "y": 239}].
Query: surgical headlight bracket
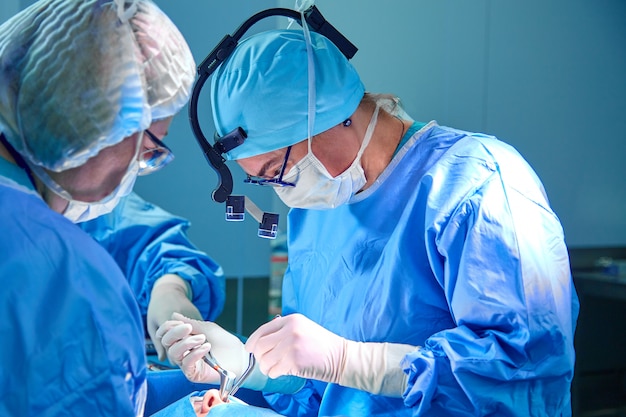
[{"x": 230, "y": 140}]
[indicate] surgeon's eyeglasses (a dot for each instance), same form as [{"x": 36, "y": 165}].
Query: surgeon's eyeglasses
[
  {"x": 272, "y": 182},
  {"x": 153, "y": 159}
]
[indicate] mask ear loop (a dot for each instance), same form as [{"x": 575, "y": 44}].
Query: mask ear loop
[
  {"x": 369, "y": 132},
  {"x": 125, "y": 14},
  {"x": 52, "y": 185},
  {"x": 311, "y": 79},
  {"x": 300, "y": 6}
]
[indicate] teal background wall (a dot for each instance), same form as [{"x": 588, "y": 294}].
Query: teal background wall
[
  {"x": 549, "y": 77},
  {"x": 8, "y": 9}
]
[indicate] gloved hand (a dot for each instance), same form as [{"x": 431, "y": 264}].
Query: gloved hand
[
  {"x": 295, "y": 345},
  {"x": 187, "y": 341},
  {"x": 170, "y": 294}
]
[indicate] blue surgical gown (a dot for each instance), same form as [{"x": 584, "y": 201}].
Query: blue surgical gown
[
  {"x": 72, "y": 336},
  {"x": 454, "y": 249},
  {"x": 147, "y": 242}
]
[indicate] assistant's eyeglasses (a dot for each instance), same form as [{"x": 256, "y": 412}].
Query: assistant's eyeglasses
[
  {"x": 153, "y": 159},
  {"x": 272, "y": 182}
]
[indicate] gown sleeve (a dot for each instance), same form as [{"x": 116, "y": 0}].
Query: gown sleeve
[
  {"x": 500, "y": 257},
  {"x": 147, "y": 242},
  {"x": 76, "y": 337}
]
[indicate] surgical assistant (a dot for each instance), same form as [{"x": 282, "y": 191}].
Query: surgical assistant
[
  {"x": 428, "y": 275},
  {"x": 80, "y": 82},
  {"x": 151, "y": 245}
]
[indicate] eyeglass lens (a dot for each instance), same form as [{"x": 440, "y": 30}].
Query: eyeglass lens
[
  {"x": 153, "y": 159},
  {"x": 273, "y": 182}
]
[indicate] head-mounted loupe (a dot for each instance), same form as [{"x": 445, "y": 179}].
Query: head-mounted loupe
[{"x": 236, "y": 205}]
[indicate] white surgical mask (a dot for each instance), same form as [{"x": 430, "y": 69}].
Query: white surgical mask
[
  {"x": 80, "y": 211},
  {"x": 316, "y": 188}
]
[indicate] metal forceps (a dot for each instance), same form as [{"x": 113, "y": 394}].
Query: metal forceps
[{"x": 229, "y": 383}]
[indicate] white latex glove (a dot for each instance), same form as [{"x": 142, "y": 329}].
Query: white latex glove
[
  {"x": 187, "y": 341},
  {"x": 295, "y": 345},
  {"x": 170, "y": 294}
]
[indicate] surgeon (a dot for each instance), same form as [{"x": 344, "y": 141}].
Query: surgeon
[
  {"x": 81, "y": 81},
  {"x": 428, "y": 275},
  {"x": 165, "y": 270}
]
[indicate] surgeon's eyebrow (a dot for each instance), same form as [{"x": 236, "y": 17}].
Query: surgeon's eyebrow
[{"x": 267, "y": 166}]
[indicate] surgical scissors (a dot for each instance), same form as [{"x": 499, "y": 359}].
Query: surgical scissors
[{"x": 229, "y": 383}]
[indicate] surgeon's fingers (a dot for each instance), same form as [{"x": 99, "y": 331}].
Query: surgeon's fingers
[
  {"x": 166, "y": 327},
  {"x": 195, "y": 369},
  {"x": 174, "y": 333},
  {"x": 277, "y": 361},
  {"x": 269, "y": 344},
  {"x": 160, "y": 349},
  {"x": 189, "y": 361},
  {"x": 156, "y": 339},
  {"x": 181, "y": 349},
  {"x": 258, "y": 340}
]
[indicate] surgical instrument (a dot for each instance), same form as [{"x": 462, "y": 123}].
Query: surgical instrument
[
  {"x": 244, "y": 375},
  {"x": 229, "y": 383}
]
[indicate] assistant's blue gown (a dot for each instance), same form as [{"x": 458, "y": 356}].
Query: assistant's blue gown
[
  {"x": 72, "y": 336},
  {"x": 454, "y": 249},
  {"x": 147, "y": 242}
]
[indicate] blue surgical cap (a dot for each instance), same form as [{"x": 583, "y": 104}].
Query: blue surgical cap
[{"x": 263, "y": 88}]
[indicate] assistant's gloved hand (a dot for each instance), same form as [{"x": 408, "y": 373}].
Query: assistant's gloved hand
[
  {"x": 187, "y": 341},
  {"x": 295, "y": 345},
  {"x": 170, "y": 294}
]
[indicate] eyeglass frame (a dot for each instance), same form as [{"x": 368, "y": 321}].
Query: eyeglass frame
[
  {"x": 272, "y": 182},
  {"x": 161, "y": 148}
]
